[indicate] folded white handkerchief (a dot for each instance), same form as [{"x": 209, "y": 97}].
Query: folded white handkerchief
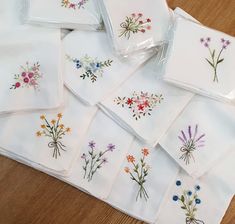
[
  {"x": 92, "y": 71},
  {"x": 50, "y": 139},
  {"x": 145, "y": 105},
  {"x": 195, "y": 140},
  {"x": 202, "y": 60},
  {"x": 144, "y": 179},
  {"x": 30, "y": 70},
  {"x": 202, "y": 201},
  {"x": 135, "y": 25},
  {"x": 102, "y": 153},
  {"x": 71, "y": 14}
]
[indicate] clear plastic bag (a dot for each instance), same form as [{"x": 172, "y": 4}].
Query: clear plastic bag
[
  {"x": 68, "y": 14},
  {"x": 201, "y": 60},
  {"x": 134, "y": 27}
]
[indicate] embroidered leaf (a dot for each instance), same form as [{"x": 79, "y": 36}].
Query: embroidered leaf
[
  {"x": 221, "y": 60},
  {"x": 183, "y": 207},
  {"x": 182, "y": 198},
  {"x": 210, "y": 63}
]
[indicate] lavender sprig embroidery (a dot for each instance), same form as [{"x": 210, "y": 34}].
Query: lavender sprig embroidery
[
  {"x": 189, "y": 201},
  {"x": 215, "y": 59},
  {"x": 191, "y": 141},
  {"x": 95, "y": 159}
]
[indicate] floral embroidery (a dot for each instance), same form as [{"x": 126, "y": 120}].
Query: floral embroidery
[
  {"x": 134, "y": 24},
  {"x": 95, "y": 159},
  {"x": 28, "y": 77},
  {"x": 92, "y": 68},
  {"x": 189, "y": 201},
  {"x": 214, "y": 59},
  {"x": 191, "y": 142},
  {"x": 54, "y": 130},
  {"x": 139, "y": 173},
  {"x": 73, "y": 4},
  {"x": 141, "y": 104}
]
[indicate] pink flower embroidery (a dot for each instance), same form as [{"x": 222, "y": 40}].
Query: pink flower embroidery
[{"x": 28, "y": 77}]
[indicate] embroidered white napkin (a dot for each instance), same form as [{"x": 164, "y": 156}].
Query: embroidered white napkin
[
  {"x": 71, "y": 14},
  {"x": 199, "y": 201},
  {"x": 102, "y": 153},
  {"x": 201, "y": 59},
  {"x": 135, "y": 25},
  {"x": 47, "y": 139},
  {"x": 30, "y": 70},
  {"x": 199, "y": 138},
  {"x": 92, "y": 71},
  {"x": 144, "y": 179},
  {"x": 145, "y": 105}
]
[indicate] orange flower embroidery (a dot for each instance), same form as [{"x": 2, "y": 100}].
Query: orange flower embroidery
[
  {"x": 127, "y": 169},
  {"x": 55, "y": 131},
  {"x": 145, "y": 152},
  {"x": 130, "y": 159}
]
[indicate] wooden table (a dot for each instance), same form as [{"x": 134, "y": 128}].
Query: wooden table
[{"x": 29, "y": 197}]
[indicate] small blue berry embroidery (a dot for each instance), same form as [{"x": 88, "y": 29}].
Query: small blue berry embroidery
[
  {"x": 92, "y": 68},
  {"x": 189, "y": 201}
]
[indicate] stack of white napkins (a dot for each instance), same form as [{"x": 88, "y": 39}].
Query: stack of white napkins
[
  {"x": 145, "y": 105},
  {"x": 47, "y": 140},
  {"x": 151, "y": 148},
  {"x": 70, "y": 14},
  {"x": 201, "y": 59},
  {"x": 135, "y": 26}
]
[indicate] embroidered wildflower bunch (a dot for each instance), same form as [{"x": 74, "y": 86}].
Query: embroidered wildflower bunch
[
  {"x": 133, "y": 24},
  {"x": 28, "y": 77},
  {"x": 191, "y": 141},
  {"x": 92, "y": 67},
  {"x": 139, "y": 173},
  {"x": 95, "y": 159},
  {"x": 189, "y": 200},
  {"x": 54, "y": 130},
  {"x": 215, "y": 59},
  {"x": 73, "y": 4},
  {"x": 141, "y": 104}
]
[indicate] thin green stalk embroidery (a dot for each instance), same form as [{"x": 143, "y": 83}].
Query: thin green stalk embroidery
[
  {"x": 94, "y": 160},
  {"x": 214, "y": 59},
  {"x": 54, "y": 130},
  {"x": 139, "y": 173}
]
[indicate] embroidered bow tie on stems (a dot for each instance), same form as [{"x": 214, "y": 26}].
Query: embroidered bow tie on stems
[
  {"x": 94, "y": 160},
  {"x": 134, "y": 24},
  {"x": 189, "y": 201},
  {"x": 215, "y": 59},
  {"x": 139, "y": 173},
  {"x": 54, "y": 130},
  {"x": 191, "y": 142}
]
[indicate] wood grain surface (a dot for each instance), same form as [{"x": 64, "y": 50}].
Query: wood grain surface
[{"x": 31, "y": 197}]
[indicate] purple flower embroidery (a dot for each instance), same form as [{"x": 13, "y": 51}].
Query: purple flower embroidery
[
  {"x": 214, "y": 59},
  {"x": 94, "y": 160},
  {"x": 191, "y": 142},
  {"x": 73, "y": 4}
]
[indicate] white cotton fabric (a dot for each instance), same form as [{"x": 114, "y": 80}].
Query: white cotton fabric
[
  {"x": 215, "y": 196},
  {"x": 23, "y": 88},
  {"x": 80, "y": 45},
  {"x": 161, "y": 174},
  {"x": 103, "y": 132},
  {"x": 19, "y": 140},
  {"x": 114, "y": 14},
  {"x": 186, "y": 64},
  {"x": 53, "y": 13},
  {"x": 212, "y": 135},
  {"x": 148, "y": 128}
]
